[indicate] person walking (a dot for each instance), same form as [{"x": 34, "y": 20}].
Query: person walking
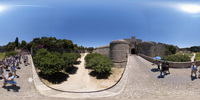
[
  {"x": 163, "y": 69},
  {"x": 12, "y": 67},
  {"x": 193, "y": 69},
  {"x": 159, "y": 64},
  {"x": 167, "y": 66}
]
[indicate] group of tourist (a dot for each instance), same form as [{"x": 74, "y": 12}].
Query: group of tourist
[
  {"x": 12, "y": 63},
  {"x": 164, "y": 68}
]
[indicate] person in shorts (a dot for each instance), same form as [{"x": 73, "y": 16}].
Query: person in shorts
[
  {"x": 13, "y": 69},
  {"x": 163, "y": 69},
  {"x": 193, "y": 69},
  {"x": 167, "y": 67},
  {"x": 9, "y": 79}
]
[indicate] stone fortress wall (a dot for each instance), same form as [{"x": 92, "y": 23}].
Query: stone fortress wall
[
  {"x": 151, "y": 49},
  {"x": 104, "y": 50},
  {"x": 118, "y": 50}
]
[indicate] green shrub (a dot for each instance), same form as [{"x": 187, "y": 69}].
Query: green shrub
[
  {"x": 90, "y": 56},
  {"x": 48, "y": 63},
  {"x": 11, "y": 53},
  {"x": 42, "y": 52},
  {"x": 93, "y": 62},
  {"x": 99, "y": 63},
  {"x": 38, "y": 56},
  {"x": 70, "y": 59},
  {"x": 170, "y": 49},
  {"x": 177, "y": 58},
  {"x": 77, "y": 55},
  {"x": 104, "y": 65},
  {"x": 58, "y": 54}
]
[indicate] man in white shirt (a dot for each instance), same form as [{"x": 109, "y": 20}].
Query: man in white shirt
[{"x": 193, "y": 69}]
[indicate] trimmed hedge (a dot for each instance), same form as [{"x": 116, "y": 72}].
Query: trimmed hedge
[
  {"x": 99, "y": 63},
  {"x": 11, "y": 53},
  {"x": 177, "y": 58}
]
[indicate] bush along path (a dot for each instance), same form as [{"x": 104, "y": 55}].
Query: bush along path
[{"x": 79, "y": 81}]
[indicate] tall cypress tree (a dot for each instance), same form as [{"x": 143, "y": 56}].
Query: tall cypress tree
[{"x": 16, "y": 42}]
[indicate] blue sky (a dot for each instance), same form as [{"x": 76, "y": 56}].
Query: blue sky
[{"x": 94, "y": 23}]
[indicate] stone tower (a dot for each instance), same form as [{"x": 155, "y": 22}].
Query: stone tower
[{"x": 119, "y": 50}]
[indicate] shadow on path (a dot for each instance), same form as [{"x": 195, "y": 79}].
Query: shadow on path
[
  {"x": 161, "y": 76},
  {"x": 77, "y": 62},
  {"x": 154, "y": 70},
  {"x": 72, "y": 70},
  {"x": 98, "y": 75},
  {"x": 14, "y": 88},
  {"x": 56, "y": 78},
  {"x": 193, "y": 78}
]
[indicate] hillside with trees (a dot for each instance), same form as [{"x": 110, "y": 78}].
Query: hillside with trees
[{"x": 52, "y": 44}]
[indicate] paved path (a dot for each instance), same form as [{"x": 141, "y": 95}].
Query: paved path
[
  {"x": 25, "y": 86},
  {"x": 143, "y": 83}
]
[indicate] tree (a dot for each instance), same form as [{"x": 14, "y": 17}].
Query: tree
[
  {"x": 24, "y": 44},
  {"x": 48, "y": 63},
  {"x": 17, "y": 42},
  {"x": 101, "y": 64},
  {"x": 70, "y": 59},
  {"x": 170, "y": 49},
  {"x": 90, "y": 49},
  {"x": 10, "y": 46}
]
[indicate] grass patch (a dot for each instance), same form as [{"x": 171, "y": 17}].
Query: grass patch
[
  {"x": 177, "y": 58},
  {"x": 197, "y": 56},
  {"x": 2, "y": 55},
  {"x": 189, "y": 55}
]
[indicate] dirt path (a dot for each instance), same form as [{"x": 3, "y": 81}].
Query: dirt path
[
  {"x": 79, "y": 81},
  {"x": 193, "y": 57}
]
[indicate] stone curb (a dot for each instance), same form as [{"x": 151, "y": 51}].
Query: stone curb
[{"x": 50, "y": 92}]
